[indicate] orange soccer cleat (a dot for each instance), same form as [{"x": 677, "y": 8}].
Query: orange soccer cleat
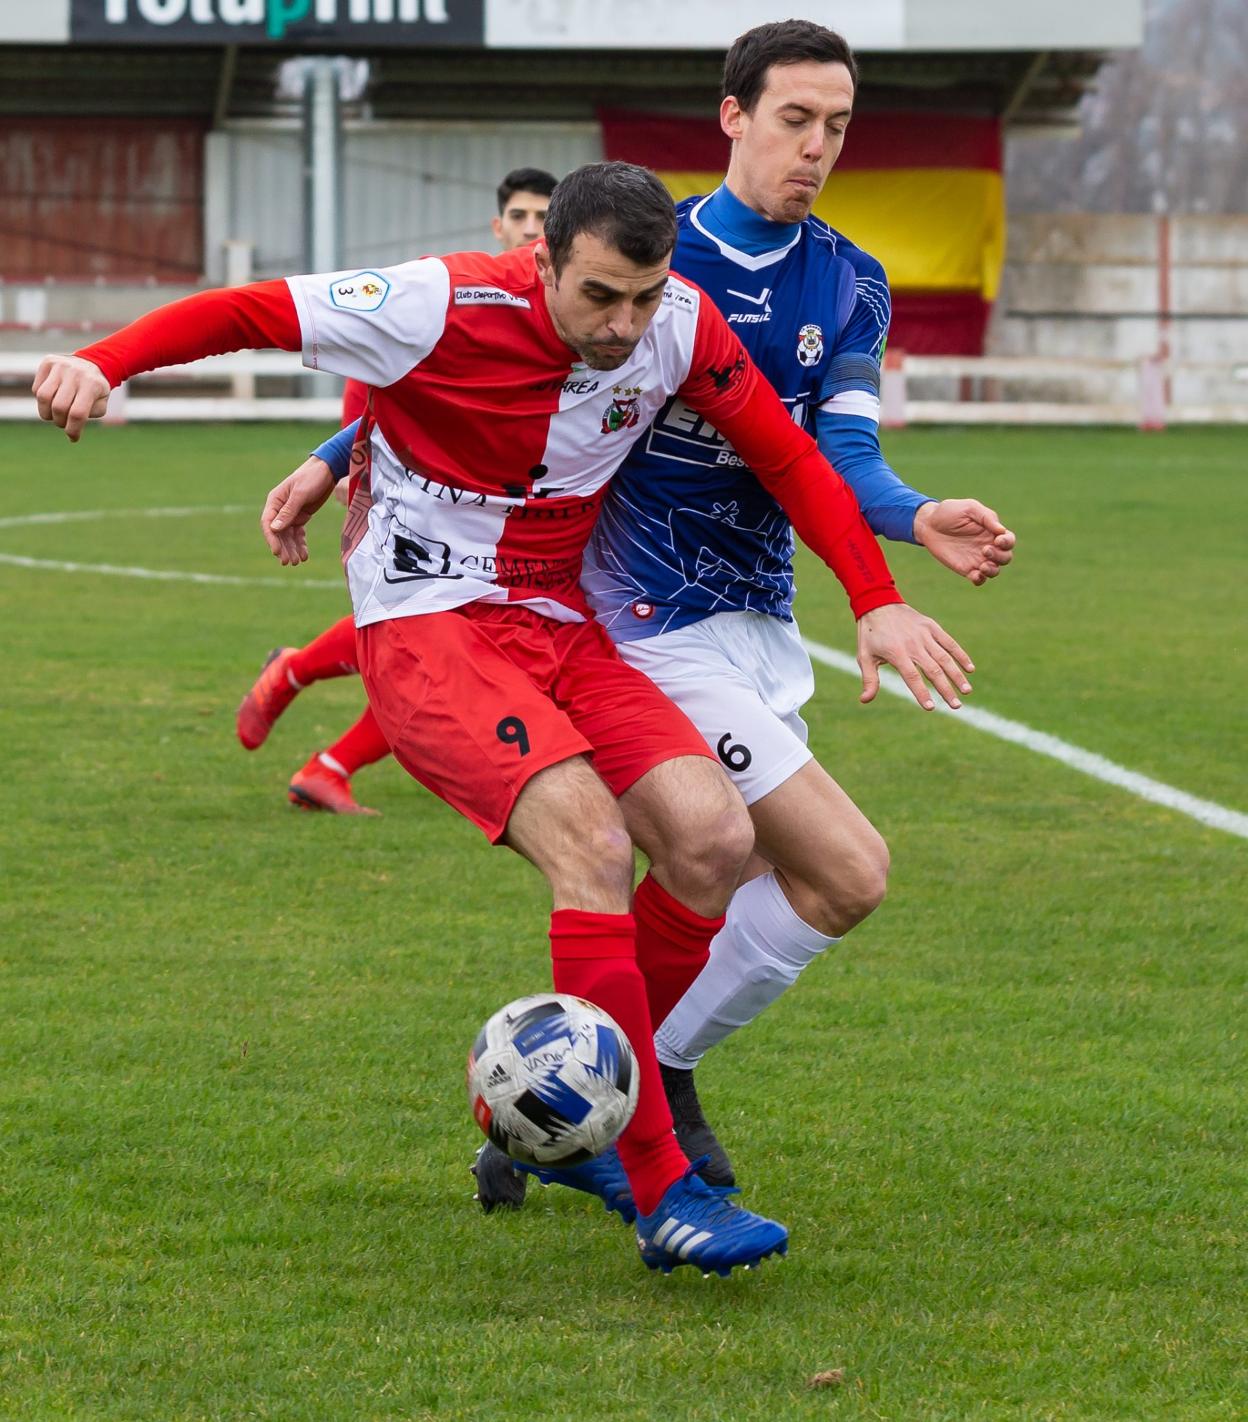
[
  {"x": 268, "y": 698},
  {"x": 320, "y": 787}
]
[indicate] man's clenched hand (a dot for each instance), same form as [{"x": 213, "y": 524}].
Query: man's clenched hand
[{"x": 70, "y": 391}]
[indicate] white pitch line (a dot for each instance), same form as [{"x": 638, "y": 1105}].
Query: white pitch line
[
  {"x": 1207, "y": 812},
  {"x": 90, "y": 515},
  {"x": 170, "y": 575},
  {"x": 156, "y": 575}
]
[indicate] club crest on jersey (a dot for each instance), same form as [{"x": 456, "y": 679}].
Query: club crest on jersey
[
  {"x": 623, "y": 412},
  {"x": 810, "y": 345},
  {"x": 365, "y": 291}
]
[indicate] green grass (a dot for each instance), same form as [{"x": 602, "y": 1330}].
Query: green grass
[{"x": 1005, "y": 1121}]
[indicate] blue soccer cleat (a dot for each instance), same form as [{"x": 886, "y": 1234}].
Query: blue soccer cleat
[
  {"x": 603, "y": 1176},
  {"x": 499, "y": 1186},
  {"x": 695, "y": 1224}
]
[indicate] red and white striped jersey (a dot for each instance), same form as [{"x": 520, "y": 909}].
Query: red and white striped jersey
[{"x": 490, "y": 443}]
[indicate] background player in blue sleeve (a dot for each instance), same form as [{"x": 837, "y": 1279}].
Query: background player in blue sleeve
[{"x": 690, "y": 565}]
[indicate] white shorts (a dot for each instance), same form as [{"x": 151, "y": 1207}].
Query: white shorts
[{"x": 741, "y": 678}]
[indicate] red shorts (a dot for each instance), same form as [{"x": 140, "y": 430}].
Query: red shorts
[{"x": 477, "y": 700}]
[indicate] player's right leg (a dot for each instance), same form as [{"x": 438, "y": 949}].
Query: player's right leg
[
  {"x": 287, "y": 671},
  {"x": 682, "y": 1221},
  {"x": 477, "y": 726}
]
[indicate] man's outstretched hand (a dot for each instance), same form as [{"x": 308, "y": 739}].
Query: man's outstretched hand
[
  {"x": 966, "y": 536},
  {"x": 901, "y": 637},
  {"x": 70, "y": 391},
  {"x": 289, "y": 507}
]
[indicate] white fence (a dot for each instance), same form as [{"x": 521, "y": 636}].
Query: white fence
[
  {"x": 237, "y": 373},
  {"x": 1031, "y": 390}
]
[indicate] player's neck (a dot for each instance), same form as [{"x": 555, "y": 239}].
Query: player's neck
[{"x": 734, "y": 221}]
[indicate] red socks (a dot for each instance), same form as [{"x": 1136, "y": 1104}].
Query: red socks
[
  {"x": 331, "y": 654},
  {"x": 673, "y": 945},
  {"x": 594, "y": 957},
  {"x": 361, "y": 745}
]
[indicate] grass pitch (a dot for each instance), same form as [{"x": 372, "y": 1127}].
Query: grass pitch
[{"x": 1004, "y": 1121}]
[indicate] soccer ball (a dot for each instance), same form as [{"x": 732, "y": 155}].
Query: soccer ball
[{"x": 552, "y": 1080}]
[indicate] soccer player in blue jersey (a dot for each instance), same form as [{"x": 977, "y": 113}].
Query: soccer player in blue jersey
[{"x": 689, "y": 568}]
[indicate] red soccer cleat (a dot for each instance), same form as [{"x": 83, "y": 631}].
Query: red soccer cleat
[
  {"x": 267, "y": 699},
  {"x": 318, "y": 787}
]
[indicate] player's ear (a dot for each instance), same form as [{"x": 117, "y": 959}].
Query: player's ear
[
  {"x": 730, "y": 116},
  {"x": 545, "y": 267},
  {"x": 496, "y": 226}
]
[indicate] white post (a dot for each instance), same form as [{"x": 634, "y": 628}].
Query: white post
[
  {"x": 322, "y": 179},
  {"x": 893, "y": 390},
  {"x": 322, "y": 166},
  {"x": 1152, "y": 393}
]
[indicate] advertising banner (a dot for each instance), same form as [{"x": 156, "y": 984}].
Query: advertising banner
[{"x": 316, "y": 23}]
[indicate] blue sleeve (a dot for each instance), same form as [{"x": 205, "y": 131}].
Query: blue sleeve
[
  {"x": 336, "y": 451},
  {"x": 851, "y": 445},
  {"x": 847, "y": 420}
]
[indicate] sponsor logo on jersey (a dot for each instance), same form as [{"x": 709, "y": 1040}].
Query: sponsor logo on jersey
[
  {"x": 681, "y": 433},
  {"x": 365, "y": 291},
  {"x": 622, "y": 413},
  {"x": 752, "y": 318},
  {"x": 810, "y": 345},
  {"x": 567, "y": 385},
  {"x": 679, "y": 296},
  {"x": 643, "y": 610},
  {"x": 489, "y": 296}
]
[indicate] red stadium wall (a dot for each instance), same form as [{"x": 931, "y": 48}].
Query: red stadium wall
[
  {"x": 922, "y": 192},
  {"x": 101, "y": 197}
]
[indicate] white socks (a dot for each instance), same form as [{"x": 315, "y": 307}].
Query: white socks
[{"x": 760, "y": 951}]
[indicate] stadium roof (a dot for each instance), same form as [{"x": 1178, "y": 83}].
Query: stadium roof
[
  {"x": 214, "y": 85},
  {"x": 533, "y": 59}
]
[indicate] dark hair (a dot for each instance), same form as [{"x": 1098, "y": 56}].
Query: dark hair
[
  {"x": 624, "y": 205},
  {"x": 784, "y": 42},
  {"x": 525, "y": 180}
]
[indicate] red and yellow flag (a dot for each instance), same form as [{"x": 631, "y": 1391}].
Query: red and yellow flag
[{"x": 922, "y": 192}]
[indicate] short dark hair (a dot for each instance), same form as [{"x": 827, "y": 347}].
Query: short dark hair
[
  {"x": 525, "y": 180},
  {"x": 623, "y": 204},
  {"x": 784, "y": 42}
]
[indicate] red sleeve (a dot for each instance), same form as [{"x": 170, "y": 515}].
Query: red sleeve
[
  {"x": 257, "y": 317},
  {"x": 725, "y": 387},
  {"x": 354, "y": 401}
]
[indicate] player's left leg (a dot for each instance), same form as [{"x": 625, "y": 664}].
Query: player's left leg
[
  {"x": 821, "y": 869},
  {"x": 741, "y": 678},
  {"x": 324, "y": 783}
]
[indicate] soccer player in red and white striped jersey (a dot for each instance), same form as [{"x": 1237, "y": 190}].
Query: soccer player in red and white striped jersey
[{"x": 505, "y": 392}]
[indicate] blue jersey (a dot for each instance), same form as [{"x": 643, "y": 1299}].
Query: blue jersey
[{"x": 686, "y": 530}]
